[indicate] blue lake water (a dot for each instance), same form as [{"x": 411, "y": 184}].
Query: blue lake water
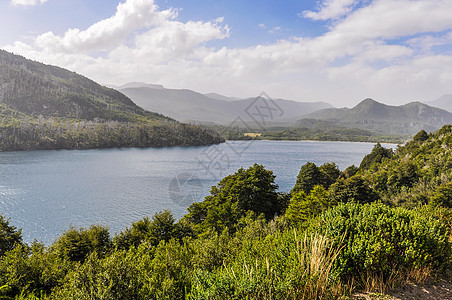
[{"x": 45, "y": 192}]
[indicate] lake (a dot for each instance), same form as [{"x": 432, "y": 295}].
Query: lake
[{"x": 45, "y": 192}]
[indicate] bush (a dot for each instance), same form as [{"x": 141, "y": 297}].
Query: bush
[
  {"x": 77, "y": 244},
  {"x": 381, "y": 240}
]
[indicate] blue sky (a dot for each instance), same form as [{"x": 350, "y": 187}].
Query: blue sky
[{"x": 340, "y": 51}]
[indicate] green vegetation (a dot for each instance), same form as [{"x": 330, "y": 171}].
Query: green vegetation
[
  {"x": 46, "y": 107},
  {"x": 373, "y": 227},
  {"x": 58, "y": 133},
  {"x": 313, "y": 130}
]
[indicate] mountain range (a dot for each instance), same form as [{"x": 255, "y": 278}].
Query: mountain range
[
  {"x": 190, "y": 106},
  {"x": 47, "y": 107},
  {"x": 375, "y": 117},
  {"x": 371, "y": 115}
]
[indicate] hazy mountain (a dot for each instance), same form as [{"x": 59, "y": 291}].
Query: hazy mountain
[
  {"x": 136, "y": 85},
  {"x": 443, "y": 102},
  {"x": 43, "y": 106},
  {"x": 186, "y": 105},
  {"x": 372, "y": 115},
  {"x": 221, "y": 97}
]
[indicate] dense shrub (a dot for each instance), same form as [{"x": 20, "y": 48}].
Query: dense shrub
[
  {"x": 381, "y": 240},
  {"x": 76, "y": 244}
]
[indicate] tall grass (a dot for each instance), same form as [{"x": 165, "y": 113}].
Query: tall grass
[{"x": 305, "y": 273}]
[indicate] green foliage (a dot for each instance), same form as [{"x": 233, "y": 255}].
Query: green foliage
[
  {"x": 330, "y": 173},
  {"x": 350, "y": 171},
  {"x": 442, "y": 196},
  {"x": 77, "y": 244},
  {"x": 162, "y": 227},
  {"x": 310, "y": 175},
  {"x": 31, "y": 272},
  {"x": 377, "y": 155},
  {"x": 144, "y": 273},
  {"x": 382, "y": 240},
  {"x": 304, "y": 207},
  {"x": 60, "y": 133},
  {"x": 284, "y": 265},
  {"x": 133, "y": 236},
  {"x": 246, "y": 190},
  {"x": 353, "y": 189},
  {"x": 421, "y": 136},
  {"x": 404, "y": 176},
  {"x": 326, "y": 131},
  {"x": 10, "y": 237}
]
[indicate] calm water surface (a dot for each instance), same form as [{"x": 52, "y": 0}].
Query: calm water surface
[{"x": 44, "y": 192}]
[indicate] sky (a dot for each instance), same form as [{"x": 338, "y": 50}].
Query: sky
[{"x": 338, "y": 51}]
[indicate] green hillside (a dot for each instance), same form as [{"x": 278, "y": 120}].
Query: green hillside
[{"x": 47, "y": 107}]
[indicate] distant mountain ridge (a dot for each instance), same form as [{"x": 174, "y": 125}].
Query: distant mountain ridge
[
  {"x": 190, "y": 106},
  {"x": 386, "y": 119},
  {"x": 443, "y": 102}
]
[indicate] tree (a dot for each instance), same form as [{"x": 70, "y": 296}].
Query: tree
[
  {"x": 350, "y": 171},
  {"x": 76, "y": 244},
  {"x": 421, "y": 136},
  {"x": 377, "y": 155},
  {"x": 161, "y": 227},
  {"x": 352, "y": 189},
  {"x": 442, "y": 196},
  {"x": 303, "y": 207},
  {"x": 10, "y": 237},
  {"x": 330, "y": 173},
  {"x": 253, "y": 189},
  {"x": 308, "y": 177},
  {"x": 404, "y": 174}
]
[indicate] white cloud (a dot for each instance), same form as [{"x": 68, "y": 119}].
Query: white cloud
[
  {"x": 27, "y": 2},
  {"x": 330, "y": 9},
  {"x": 364, "y": 53}
]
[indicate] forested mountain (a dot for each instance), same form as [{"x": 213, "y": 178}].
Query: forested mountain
[
  {"x": 372, "y": 115},
  {"x": 187, "y": 105},
  {"x": 44, "y": 107},
  {"x": 384, "y": 224}
]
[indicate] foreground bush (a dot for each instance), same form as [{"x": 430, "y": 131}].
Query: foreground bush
[{"x": 383, "y": 241}]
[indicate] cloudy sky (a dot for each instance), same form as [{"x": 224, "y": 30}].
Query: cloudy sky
[{"x": 340, "y": 51}]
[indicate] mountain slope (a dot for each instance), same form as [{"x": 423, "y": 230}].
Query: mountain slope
[
  {"x": 385, "y": 119},
  {"x": 37, "y": 89},
  {"x": 187, "y": 105},
  {"x": 443, "y": 102},
  {"x": 47, "y": 107}
]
